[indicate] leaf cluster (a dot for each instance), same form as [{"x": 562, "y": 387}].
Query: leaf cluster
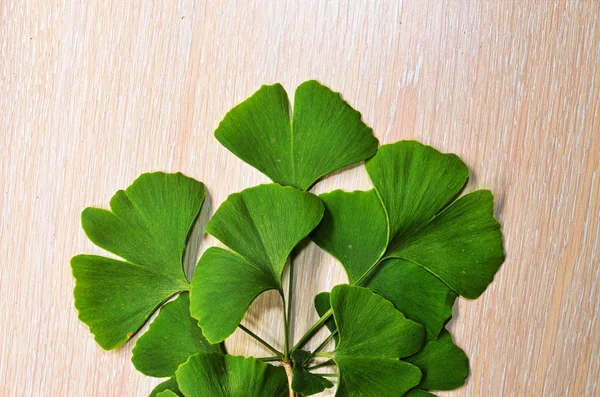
[{"x": 410, "y": 246}]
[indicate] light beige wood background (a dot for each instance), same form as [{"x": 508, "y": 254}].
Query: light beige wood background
[{"x": 92, "y": 95}]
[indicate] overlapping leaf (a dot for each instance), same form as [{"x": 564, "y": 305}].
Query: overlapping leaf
[
  {"x": 374, "y": 336},
  {"x": 354, "y": 230},
  {"x": 440, "y": 248},
  {"x": 147, "y": 226},
  {"x": 419, "y": 393},
  {"x": 261, "y": 226},
  {"x": 417, "y": 293},
  {"x": 325, "y": 134},
  {"x": 171, "y": 338},
  {"x": 460, "y": 244},
  {"x": 305, "y": 382},
  {"x": 323, "y": 305},
  {"x": 168, "y": 388},
  {"x": 215, "y": 375},
  {"x": 167, "y": 393},
  {"x": 443, "y": 364}
]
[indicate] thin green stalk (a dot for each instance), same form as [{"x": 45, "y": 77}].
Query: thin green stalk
[
  {"x": 324, "y": 354},
  {"x": 328, "y": 375},
  {"x": 369, "y": 271},
  {"x": 288, "y": 317},
  {"x": 286, "y": 329},
  {"x": 321, "y": 321},
  {"x": 325, "y": 364},
  {"x": 313, "y": 330},
  {"x": 270, "y": 359},
  {"x": 325, "y": 342},
  {"x": 261, "y": 340}
]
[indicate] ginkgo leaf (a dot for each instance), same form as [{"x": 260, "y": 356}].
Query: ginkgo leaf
[
  {"x": 261, "y": 225},
  {"x": 324, "y": 135},
  {"x": 171, "y": 338},
  {"x": 415, "y": 182},
  {"x": 419, "y": 393},
  {"x": 148, "y": 226},
  {"x": 443, "y": 364},
  {"x": 414, "y": 291},
  {"x": 443, "y": 248},
  {"x": 167, "y": 393},
  {"x": 354, "y": 230},
  {"x": 322, "y": 305},
  {"x": 304, "y": 382},
  {"x": 216, "y": 375},
  {"x": 224, "y": 286},
  {"x": 167, "y": 388},
  {"x": 460, "y": 244},
  {"x": 374, "y": 336}
]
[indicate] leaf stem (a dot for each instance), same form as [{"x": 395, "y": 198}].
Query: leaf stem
[
  {"x": 325, "y": 364},
  {"x": 329, "y": 375},
  {"x": 288, "y": 318},
  {"x": 269, "y": 359},
  {"x": 321, "y": 321},
  {"x": 325, "y": 342},
  {"x": 313, "y": 330},
  {"x": 365, "y": 276},
  {"x": 286, "y": 328},
  {"x": 261, "y": 340},
  {"x": 324, "y": 354}
]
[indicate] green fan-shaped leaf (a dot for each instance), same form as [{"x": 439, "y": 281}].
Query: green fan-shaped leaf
[
  {"x": 261, "y": 225},
  {"x": 417, "y": 293},
  {"x": 460, "y": 244},
  {"x": 419, "y": 393},
  {"x": 442, "y": 248},
  {"x": 443, "y": 364},
  {"x": 215, "y": 375},
  {"x": 171, "y": 338},
  {"x": 167, "y": 388},
  {"x": 322, "y": 305},
  {"x": 167, "y": 393},
  {"x": 304, "y": 382},
  {"x": 354, "y": 230},
  {"x": 414, "y": 291},
  {"x": 148, "y": 226},
  {"x": 170, "y": 385},
  {"x": 325, "y": 134},
  {"x": 415, "y": 182},
  {"x": 373, "y": 338}
]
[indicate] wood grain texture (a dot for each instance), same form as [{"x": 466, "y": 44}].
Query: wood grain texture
[{"x": 92, "y": 94}]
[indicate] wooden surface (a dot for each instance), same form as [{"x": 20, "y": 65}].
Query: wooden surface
[{"x": 92, "y": 95}]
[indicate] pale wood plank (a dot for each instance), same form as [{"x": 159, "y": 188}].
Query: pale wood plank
[{"x": 92, "y": 95}]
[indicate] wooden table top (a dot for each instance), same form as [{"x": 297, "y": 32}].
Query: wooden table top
[{"x": 92, "y": 95}]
